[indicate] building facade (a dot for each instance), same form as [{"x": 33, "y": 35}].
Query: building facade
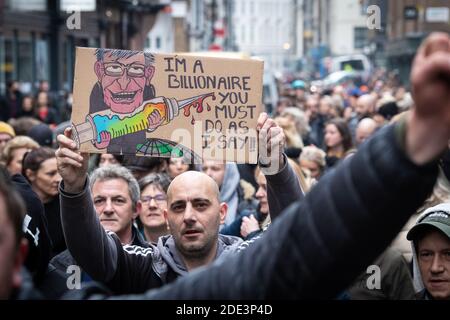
[
  {"x": 403, "y": 26},
  {"x": 161, "y": 36},
  {"x": 329, "y": 28},
  {"x": 409, "y": 22},
  {"x": 38, "y": 38},
  {"x": 266, "y": 28},
  {"x": 349, "y": 18}
]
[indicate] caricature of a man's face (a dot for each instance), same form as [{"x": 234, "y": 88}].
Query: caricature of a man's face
[{"x": 123, "y": 81}]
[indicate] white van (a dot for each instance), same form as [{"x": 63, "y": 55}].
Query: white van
[{"x": 355, "y": 63}]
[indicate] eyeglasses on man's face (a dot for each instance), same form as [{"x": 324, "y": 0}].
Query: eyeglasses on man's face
[
  {"x": 158, "y": 198},
  {"x": 116, "y": 69}
]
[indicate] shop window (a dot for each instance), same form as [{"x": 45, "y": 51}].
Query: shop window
[
  {"x": 360, "y": 37},
  {"x": 158, "y": 42},
  {"x": 8, "y": 66},
  {"x": 25, "y": 63},
  {"x": 42, "y": 65}
]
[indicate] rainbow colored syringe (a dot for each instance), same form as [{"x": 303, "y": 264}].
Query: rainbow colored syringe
[{"x": 138, "y": 121}]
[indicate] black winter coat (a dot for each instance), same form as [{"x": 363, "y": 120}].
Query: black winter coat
[{"x": 321, "y": 243}]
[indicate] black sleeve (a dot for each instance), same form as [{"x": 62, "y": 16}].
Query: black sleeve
[
  {"x": 283, "y": 189},
  {"x": 100, "y": 254},
  {"x": 347, "y": 220},
  {"x": 4, "y": 110},
  {"x": 134, "y": 272},
  {"x": 35, "y": 230}
]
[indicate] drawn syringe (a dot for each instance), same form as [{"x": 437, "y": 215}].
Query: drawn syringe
[{"x": 168, "y": 109}]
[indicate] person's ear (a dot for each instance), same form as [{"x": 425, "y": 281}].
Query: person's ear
[
  {"x": 99, "y": 70},
  {"x": 149, "y": 72},
  {"x": 19, "y": 258},
  {"x": 31, "y": 175},
  {"x": 223, "y": 212},
  {"x": 165, "y": 215},
  {"x": 138, "y": 209},
  {"x": 164, "y": 166}
]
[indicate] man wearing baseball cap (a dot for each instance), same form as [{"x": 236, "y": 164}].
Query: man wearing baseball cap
[{"x": 431, "y": 253}]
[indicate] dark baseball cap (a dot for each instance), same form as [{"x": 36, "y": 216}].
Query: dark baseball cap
[
  {"x": 437, "y": 217},
  {"x": 141, "y": 164},
  {"x": 42, "y": 134}
]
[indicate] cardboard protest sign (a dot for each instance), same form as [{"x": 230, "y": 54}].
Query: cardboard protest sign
[{"x": 131, "y": 102}]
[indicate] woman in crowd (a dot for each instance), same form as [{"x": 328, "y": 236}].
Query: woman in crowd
[
  {"x": 177, "y": 166},
  {"x": 252, "y": 225},
  {"x": 313, "y": 160},
  {"x": 27, "y": 109},
  {"x": 14, "y": 151},
  {"x": 251, "y": 222},
  {"x": 44, "y": 112},
  {"x": 39, "y": 167},
  {"x": 338, "y": 141},
  {"x": 154, "y": 201}
]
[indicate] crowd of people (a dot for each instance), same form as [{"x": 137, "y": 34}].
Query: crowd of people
[
  {"x": 362, "y": 180},
  {"x": 44, "y": 105}
]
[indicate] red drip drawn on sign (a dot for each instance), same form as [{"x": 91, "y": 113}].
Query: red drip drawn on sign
[{"x": 198, "y": 104}]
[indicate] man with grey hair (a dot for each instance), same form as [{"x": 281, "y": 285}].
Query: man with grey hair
[
  {"x": 116, "y": 200},
  {"x": 115, "y": 193},
  {"x": 123, "y": 85}
]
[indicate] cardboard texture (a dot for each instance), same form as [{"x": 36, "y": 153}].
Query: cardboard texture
[{"x": 131, "y": 102}]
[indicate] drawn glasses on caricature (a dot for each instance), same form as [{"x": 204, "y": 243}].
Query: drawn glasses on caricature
[{"x": 117, "y": 69}]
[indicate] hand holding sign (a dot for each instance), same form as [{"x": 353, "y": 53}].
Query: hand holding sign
[
  {"x": 72, "y": 165},
  {"x": 271, "y": 145}
]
